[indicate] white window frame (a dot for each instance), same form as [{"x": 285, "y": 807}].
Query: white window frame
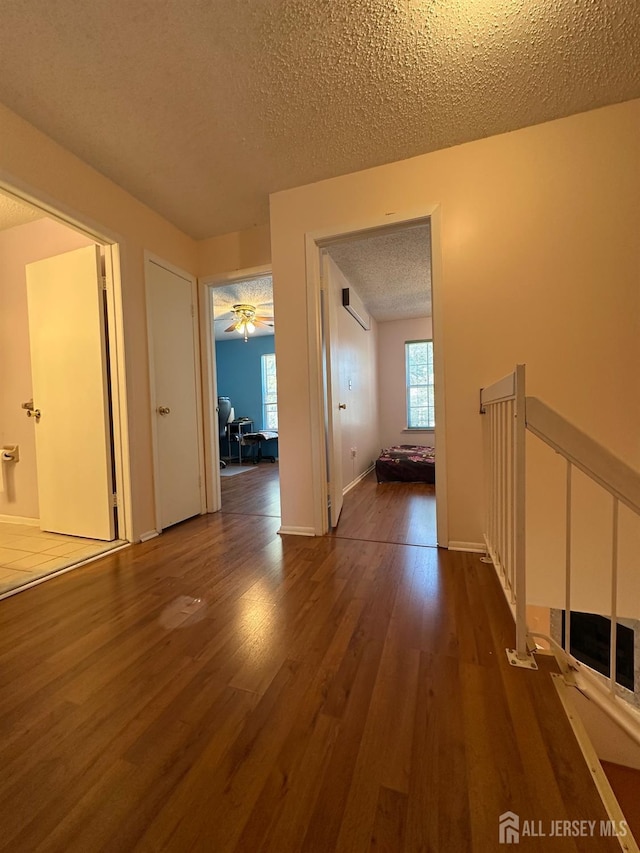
[
  {"x": 428, "y": 385},
  {"x": 269, "y": 406}
]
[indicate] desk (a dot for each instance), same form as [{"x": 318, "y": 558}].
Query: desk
[{"x": 237, "y": 429}]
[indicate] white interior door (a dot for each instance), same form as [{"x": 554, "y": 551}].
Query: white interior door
[
  {"x": 174, "y": 394},
  {"x": 69, "y": 372},
  {"x": 332, "y": 386}
]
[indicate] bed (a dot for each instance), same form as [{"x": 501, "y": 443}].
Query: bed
[{"x": 406, "y": 463}]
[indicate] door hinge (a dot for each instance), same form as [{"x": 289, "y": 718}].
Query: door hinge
[
  {"x": 193, "y": 310},
  {"x": 104, "y": 282},
  {"x": 114, "y": 499}
]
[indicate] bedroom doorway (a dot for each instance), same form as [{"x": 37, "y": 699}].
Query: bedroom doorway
[
  {"x": 241, "y": 381},
  {"x": 384, "y": 399}
]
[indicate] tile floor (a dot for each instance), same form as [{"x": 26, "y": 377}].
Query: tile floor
[{"x": 28, "y": 553}]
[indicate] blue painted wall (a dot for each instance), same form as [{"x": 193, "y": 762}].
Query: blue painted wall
[{"x": 240, "y": 379}]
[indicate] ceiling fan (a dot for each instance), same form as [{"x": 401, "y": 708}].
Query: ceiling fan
[{"x": 246, "y": 318}]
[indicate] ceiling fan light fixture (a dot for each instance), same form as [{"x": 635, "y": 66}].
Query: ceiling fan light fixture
[
  {"x": 244, "y": 316},
  {"x": 245, "y": 320}
]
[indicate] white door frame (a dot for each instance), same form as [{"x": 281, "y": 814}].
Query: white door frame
[
  {"x": 333, "y": 423},
  {"x": 111, "y": 242},
  {"x": 150, "y": 257},
  {"x": 210, "y": 378},
  {"x": 314, "y": 242}
]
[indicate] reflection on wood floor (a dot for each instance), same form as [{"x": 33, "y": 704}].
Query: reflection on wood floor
[
  {"x": 404, "y": 513},
  {"x": 222, "y": 688},
  {"x": 389, "y": 512},
  {"x": 254, "y": 492}
]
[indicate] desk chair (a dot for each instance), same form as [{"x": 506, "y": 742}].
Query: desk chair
[
  {"x": 224, "y": 410},
  {"x": 255, "y": 439}
]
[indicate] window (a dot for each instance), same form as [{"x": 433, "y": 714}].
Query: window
[
  {"x": 419, "y": 374},
  {"x": 269, "y": 392}
]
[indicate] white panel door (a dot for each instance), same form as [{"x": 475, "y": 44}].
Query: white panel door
[
  {"x": 69, "y": 372},
  {"x": 334, "y": 428},
  {"x": 174, "y": 394}
]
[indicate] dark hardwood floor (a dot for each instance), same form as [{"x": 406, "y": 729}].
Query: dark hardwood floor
[
  {"x": 389, "y": 512},
  {"x": 404, "y": 513},
  {"x": 254, "y": 492},
  {"x": 222, "y": 688}
]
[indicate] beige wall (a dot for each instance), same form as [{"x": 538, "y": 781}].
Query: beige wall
[
  {"x": 239, "y": 250},
  {"x": 20, "y": 246},
  {"x": 591, "y": 539},
  {"x": 392, "y": 383},
  {"x": 540, "y": 258},
  {"x": 356, "y": 352},
  {"x": 33, "y": 162}
]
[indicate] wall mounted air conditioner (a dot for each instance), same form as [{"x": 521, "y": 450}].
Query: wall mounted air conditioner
[{"x": 355, "y": 307}]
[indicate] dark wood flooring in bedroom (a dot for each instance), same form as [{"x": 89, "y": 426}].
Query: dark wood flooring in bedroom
[
  {"x": 256, "y": 491},
  {"x": 401, "y": 513}
]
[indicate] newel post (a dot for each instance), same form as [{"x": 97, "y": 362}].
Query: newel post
[{"x": 520, "y": 656}]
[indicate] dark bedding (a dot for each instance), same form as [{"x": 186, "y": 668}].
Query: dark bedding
[{"x": 406, "y": 463}]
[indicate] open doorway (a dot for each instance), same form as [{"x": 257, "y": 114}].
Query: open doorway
[
  {"x": 243, "y": 386},
  {"x": 59, "y": 398},
  {"x": 379, "y": 381}
]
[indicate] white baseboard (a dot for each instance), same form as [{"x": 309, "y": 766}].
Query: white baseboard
[
  {"x": 18, "y": 519},
  {"x": 473, "y": 547},
  {"x": 297, "y": 531},
  {"x": 357, "y": 479},
  {"x": 150, "y": 534}
]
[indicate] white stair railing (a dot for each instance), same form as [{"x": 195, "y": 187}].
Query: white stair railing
[
  {"x": 510, "y": 412},
  {"x": 504, "y": 404}
]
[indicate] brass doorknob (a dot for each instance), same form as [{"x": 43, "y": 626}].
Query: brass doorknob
[{"x": 164, "y": 410}]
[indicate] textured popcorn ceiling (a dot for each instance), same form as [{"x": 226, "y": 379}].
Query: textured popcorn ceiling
[
  {"x": 14, "y": 213},
  {"x": 391, "y": 272},
  {"x": 200, "y": 108}
]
